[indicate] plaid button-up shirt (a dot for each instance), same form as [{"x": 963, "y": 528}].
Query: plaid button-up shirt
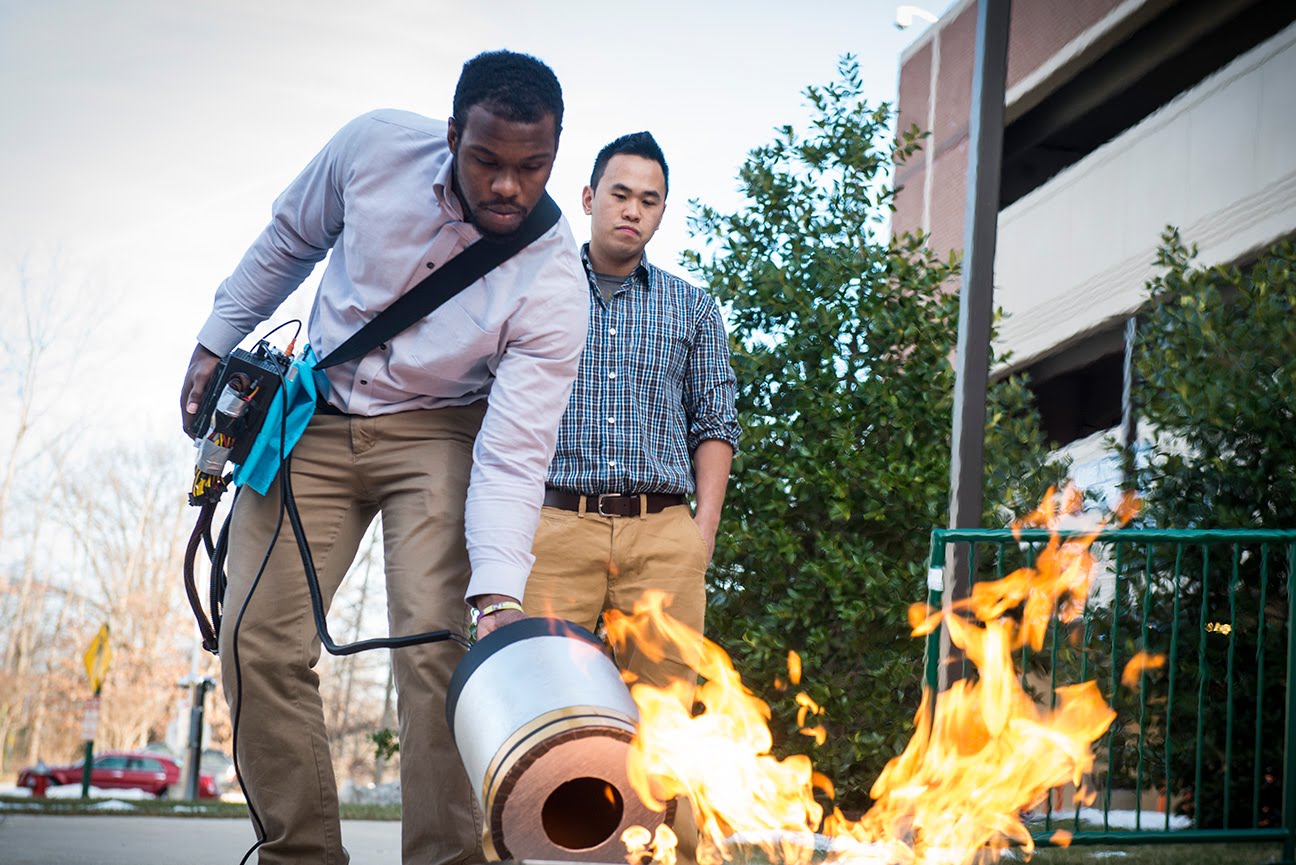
[{"x": 654, "y": 383}]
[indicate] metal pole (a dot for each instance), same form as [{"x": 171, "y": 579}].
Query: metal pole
[
  {"x": 1289, "y": 734},
  {"x": 87, "y": 764},
  {"x": 1129, "y": 412},
  {"x": 976, "y": 297},
  {"x": 193, "y": 752}
]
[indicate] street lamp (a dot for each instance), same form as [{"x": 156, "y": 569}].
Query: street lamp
[
  {"x": 193, "y": 751},
  {"x": 906, "y": 15}
]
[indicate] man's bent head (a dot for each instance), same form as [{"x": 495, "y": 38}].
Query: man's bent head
[
  {"x": 508, "y": 112},
  {"x": 625, "y": 199}
]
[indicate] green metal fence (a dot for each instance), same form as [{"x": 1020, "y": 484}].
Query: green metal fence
[{"x": 1211, "y": 736}]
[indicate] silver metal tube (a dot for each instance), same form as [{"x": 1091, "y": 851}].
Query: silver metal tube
[{"x": 544, "y": 722}]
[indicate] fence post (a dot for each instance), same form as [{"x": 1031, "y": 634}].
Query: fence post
[
  {"x": 1289, "y": 740},
  {"x": 935, "y": 590}
]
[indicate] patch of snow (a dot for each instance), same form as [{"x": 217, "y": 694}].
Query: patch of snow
[
  {"x": 73, "y": 791},
  {"x": 1150, "y": 821},
  {"x": 14, "y": 792},
  {"x": 112, "y": 805}
]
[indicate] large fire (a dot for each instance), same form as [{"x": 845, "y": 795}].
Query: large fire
[{"x": 982, "y": 752}]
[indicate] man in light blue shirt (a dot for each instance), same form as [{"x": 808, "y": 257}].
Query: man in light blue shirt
[{"x": 446, "y": 430}]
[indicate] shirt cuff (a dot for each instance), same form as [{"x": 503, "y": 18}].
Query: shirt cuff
[
  {"x": 727, "y": 433},
  {"x": 219, "y": 336},
  {"x": 496, "y": 578}
]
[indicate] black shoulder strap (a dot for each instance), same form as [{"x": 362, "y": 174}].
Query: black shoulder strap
[{"x": 454, "y": 276}]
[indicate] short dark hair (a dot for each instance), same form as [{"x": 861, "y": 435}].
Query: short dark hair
[
  {"x": 510, "y": 85},
  {"x": 634, "y": 144}
]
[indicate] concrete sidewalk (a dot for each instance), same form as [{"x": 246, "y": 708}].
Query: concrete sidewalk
[{"x": 43, "y": 839}]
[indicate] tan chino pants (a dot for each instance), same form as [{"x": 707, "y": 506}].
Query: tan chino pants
[
  {"x": 413, "y": 468},
  {"x": 587, "y": 564}
]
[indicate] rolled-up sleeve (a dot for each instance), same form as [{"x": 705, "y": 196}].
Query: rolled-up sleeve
[
  {"x": 306, "y": 220},
  {"x": 511, "y": 456},
  {"x": 709, "y": 383}
]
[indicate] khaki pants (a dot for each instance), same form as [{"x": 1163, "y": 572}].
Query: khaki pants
[
  {"x": 412, "y": 468},
  {"x": 587, "y": 564}
]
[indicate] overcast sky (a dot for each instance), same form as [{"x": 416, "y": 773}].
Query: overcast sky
[{"x": 144, "y": 140}]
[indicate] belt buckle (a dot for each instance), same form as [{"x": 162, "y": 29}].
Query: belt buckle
[{"x": 601, "y": 497}]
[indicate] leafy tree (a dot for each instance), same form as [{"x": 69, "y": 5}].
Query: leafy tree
[
  {"x": 1216, "y": 365},
  {"x": 843, "y": 346},
  {"x": 1215, "y": 369}
]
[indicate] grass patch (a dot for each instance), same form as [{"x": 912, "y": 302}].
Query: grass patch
[
  {"x": 371, "y": 812},
  {"x": 169, "y": 808}
]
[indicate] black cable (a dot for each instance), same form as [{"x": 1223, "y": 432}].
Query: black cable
[
  {"x": 317, "y": 596},
  {"x": 279, "y": 327},
  {"x": 238, "y": 623},
  {"x": 201, "y": 531},
  {"x": 238, "y": 679},
  {"x": 218, "y": 580}
]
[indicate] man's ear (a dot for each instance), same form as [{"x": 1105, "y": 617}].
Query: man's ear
[
  {"x": 587, "y": 200},
  {"x": 452, "y": 136}
]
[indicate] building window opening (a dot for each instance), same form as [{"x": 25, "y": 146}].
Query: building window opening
[{"x": 1082, "y": 401}]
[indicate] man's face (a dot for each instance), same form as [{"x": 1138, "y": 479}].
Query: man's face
[
  {"x": 501, "y": 167},
  {"x": 627, "y": 206}
]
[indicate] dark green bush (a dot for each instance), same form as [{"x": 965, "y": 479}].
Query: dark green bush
[
  {"x": 843, "y": 343},
  {"x": 1215, "y": 363}
]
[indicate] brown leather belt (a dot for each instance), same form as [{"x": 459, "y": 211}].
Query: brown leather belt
[{"x": 611, "y": 504}]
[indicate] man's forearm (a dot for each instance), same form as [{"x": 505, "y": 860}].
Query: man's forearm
[{"x": 711, "y": 462}]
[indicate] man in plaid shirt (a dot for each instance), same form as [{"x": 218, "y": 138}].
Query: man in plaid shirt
[{"x": 650, "y": 421}]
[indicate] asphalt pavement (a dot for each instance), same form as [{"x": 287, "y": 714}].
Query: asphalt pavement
[{"x": 52, "y": 839}]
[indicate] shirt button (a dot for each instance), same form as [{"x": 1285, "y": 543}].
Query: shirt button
[
  {"x": 611, "y": 375},
  {"x": 611, "y": 331},
  {"x": 383, "y": 346},
  {"x": 363, "y": 381},
  {"x": 611, "y": 420},
  {"x": 430, "y": 265},
  {"x": 612, "y": 463}
]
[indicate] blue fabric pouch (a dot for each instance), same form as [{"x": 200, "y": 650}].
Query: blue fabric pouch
[{"x": 285, "y": 421}]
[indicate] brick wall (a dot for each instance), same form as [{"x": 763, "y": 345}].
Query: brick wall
[{"x": 1039, "y": 30}]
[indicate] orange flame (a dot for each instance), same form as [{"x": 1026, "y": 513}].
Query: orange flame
[
  {"x": 1133, "y": 671},
  {"x": 642, "y": 846},
  {"x": 719, "y": 759},
  {"x": 982, "y": 752}
]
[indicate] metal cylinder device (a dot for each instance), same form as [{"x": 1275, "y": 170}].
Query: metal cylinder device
[{"x": 543, "y": 722}]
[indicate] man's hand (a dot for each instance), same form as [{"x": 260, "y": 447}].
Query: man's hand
[
  {"x": 711, "y": 463},
  {"x": 496, "y": 620},
  {"x": 201, "y": 366},
  {"x": 707, "y": 528}
]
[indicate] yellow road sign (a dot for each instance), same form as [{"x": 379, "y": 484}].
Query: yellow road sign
[{"x": 97, "y": 658}]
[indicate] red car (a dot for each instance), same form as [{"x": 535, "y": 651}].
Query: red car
[{"x": 143, "y": 770}]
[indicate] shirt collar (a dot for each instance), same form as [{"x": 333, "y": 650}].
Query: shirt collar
[
  {"x": 641, "y": 275},
  {"x": 443, "y": 189}
]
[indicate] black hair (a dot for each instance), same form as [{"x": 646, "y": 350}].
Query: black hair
[
  {"x": 510, "y": 85},
  {"x": 634, "y": 144}
]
